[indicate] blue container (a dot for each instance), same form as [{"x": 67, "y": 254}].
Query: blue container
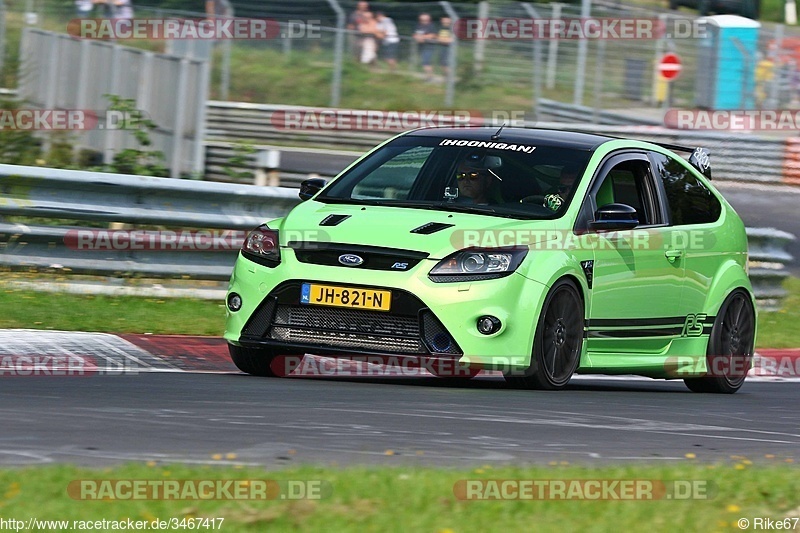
[{"x": 726, "y": 63}]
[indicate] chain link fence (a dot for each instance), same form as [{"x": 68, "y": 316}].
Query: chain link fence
[{"x": 314, "y": 60}]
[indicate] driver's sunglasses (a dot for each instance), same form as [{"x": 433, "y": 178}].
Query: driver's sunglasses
[{"x": 471, "y": 176}]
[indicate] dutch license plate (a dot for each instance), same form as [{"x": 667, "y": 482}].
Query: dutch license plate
[{"x": 357, "y": 298}]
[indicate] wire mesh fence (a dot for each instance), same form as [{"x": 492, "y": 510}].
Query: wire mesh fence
[{"x": 316, "y": 59}]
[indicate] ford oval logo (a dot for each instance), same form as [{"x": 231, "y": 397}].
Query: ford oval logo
[{"x": 350, "y": 259}]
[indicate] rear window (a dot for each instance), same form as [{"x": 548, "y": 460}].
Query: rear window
[{"x": 690, "y": 202}]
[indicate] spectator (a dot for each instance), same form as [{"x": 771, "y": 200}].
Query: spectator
[
  {"x": 445, "y": 38},
  {"x": 353, "y": 21},
  {"x": 391, "y": 39},
  {"x": 425, "y": 36},
  {"x": 368, "y": 34}
]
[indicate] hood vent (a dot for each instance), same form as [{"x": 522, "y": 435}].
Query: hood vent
[
  {"x": 431, "y": 227},
  {"x": 333, "y": 220}
]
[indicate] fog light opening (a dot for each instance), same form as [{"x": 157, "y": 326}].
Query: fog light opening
[
  {"x": 489, "y": 324},
  {"x": 234, "y": 302},
  {"x": 441, "y": 342}
]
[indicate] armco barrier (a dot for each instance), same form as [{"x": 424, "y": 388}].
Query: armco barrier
[
  {"x": 768, "y": 259},
  {"x": 141, "y": 200},
  {"x": 72, "y": 194},
  {"x": 736, "y": 156}
]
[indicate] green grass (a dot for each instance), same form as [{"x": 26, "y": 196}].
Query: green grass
[
  {"x": 422, "y": 499},
  {"x": 123, "y": 314},
  {"x": 130, "y": 314}
]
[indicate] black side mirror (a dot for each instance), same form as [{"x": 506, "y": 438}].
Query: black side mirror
[
  {"x": 613, "y": 217},
  {"x": 310, "y": 187}
]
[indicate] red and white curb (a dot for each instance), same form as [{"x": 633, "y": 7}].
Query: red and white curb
[{"x": 45, "y": 352}]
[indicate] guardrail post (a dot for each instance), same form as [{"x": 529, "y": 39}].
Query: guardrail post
[{"x": 267, "y": 164}]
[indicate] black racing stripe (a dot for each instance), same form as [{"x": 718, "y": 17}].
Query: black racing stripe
[
  {"x": 635, "y": 322},
  {"x": 628, "y": 333}
]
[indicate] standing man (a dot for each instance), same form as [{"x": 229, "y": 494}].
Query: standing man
[
  {"x": 425, "y": 36},
  {"x": 391, "y": 39},
  {"x": 355, "y": 19}
]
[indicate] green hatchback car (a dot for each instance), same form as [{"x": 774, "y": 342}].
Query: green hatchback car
[{"x": 538, "y": 253}]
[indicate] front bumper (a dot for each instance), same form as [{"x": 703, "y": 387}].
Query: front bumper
[{"x": 427, "y": 319}]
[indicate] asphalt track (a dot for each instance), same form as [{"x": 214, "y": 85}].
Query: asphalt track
[{"x": 190, "y": 417}]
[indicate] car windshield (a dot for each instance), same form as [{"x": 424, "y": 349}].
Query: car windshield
[{"x": 489, "y": 177}]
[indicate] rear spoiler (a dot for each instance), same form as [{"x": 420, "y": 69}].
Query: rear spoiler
[{"x": 699, "y": 158}]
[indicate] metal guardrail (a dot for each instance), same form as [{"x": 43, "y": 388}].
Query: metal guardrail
[
  {"x": 768, "y": 260},
  {"x": 737, "y": 156},
  {"x": 296, "y": 164},
  {"x": 159, "y": 203},
  {"x": 98, "y": 197}
]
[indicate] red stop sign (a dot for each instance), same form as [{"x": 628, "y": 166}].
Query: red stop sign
[{"x": 670, "y": 66}]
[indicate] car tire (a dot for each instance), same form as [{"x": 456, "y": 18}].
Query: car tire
[
  {"x": 254, "y": 361},
  {"x": 558, "y": 342},
  {"x": 732, "y": 335}
]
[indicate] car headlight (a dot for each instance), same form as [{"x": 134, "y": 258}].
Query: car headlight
[
  {"x": 478, "y": 264},
  {"x": 261, "y": 245}
]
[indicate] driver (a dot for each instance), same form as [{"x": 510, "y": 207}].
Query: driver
[
  {"x": 474, "y": 183},
  {"x": 478, "y": 182}
]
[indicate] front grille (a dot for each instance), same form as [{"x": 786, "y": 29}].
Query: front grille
[
  {"x": 374, "y": 257},
  {"x": 345, "y": 328},
  {"x": 409, "y": 328}
]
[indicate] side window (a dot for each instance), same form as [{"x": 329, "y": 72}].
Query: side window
[
  {"x": 627, "y": 183},
  {"x": 395, "y": 177},
  {"x": 690, "y": 202}
]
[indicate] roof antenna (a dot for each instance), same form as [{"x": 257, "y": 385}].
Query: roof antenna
[{"x": 497, "y": 135}]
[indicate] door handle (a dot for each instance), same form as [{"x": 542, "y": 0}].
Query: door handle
[{"x": 672, "y": 255}]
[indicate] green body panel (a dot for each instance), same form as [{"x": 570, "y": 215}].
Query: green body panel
[
  {"x": 630, "y": 282},
  {"x": 514, "y": 299}
]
